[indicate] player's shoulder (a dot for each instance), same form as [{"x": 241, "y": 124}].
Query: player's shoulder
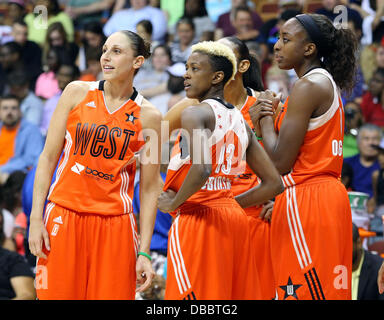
[
  {"x": 150, "y": 115},
  {"x": 75, "y": 92}
]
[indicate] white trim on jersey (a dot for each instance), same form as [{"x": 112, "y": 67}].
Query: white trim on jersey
[
  {"x": 177, "y": 259},
  {"x": 296, "y": 230},
  {"x": 127, "y": 201},
  {"x": 317, "y": 122},
  {"x": 93, "y": 85},
  {"x": 134, "y": 233},
  {"x": 67, "y": 149},
  {"x": 48, "y": 210}
]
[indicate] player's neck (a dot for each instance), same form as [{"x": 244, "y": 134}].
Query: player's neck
[
  {"x": 118, "y": 90},
  {"x": 213, "y": 93},
  {"x": 235, "y": 93}
]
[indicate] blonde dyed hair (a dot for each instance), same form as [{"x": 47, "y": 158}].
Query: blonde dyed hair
[{"x": 214, "y": 48}]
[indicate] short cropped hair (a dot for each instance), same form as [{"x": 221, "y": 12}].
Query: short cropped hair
[{"x": 219, "y": 53}]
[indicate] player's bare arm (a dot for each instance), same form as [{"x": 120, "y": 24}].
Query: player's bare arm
[
  {"x": 150, "y": 188},
  {"x": 192, "y": 118},
  {"x": 73, "y": 94},
  {"x": 271, "y": 184},
  {"x": 306, "y": 99}
]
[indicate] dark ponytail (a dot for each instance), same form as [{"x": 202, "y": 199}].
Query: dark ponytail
[
  {"x": 339, "y": 54},
  {"x": 138, "y": 44},
  {"x": 252, "y": 77}
]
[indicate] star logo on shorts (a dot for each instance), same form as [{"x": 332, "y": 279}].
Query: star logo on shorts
[
  {"x": 131, "y": 117},
  {"x": 290, "y": 289}
]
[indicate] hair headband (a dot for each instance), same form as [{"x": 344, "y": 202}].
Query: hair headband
[{"x": 313, "y": 31}]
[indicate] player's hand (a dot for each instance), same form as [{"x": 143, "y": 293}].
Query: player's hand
[
  {"x": 380, "y": 279},
  {"x": 165, "y": 201},
  {"x": 265, "y": 105},
  {"x": 266, "y": 212},
  {"x": 38, "y": 235},
  {"x": 144, "y": 273}
]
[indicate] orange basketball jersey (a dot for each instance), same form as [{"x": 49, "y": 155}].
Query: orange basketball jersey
[
  {"x": 321, "y": 153},
  {"x": 98, "y": 155},
  {"x": 247, "y": 179},
  {"x": 228, "y": 144}
]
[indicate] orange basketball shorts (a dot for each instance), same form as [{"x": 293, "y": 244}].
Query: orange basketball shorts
[
  {"x": 92, "y": 256},
  {"x": 209, "y": 253},
  {"x": 261, "y": 249},
  {"x": 311, "y": 241}
]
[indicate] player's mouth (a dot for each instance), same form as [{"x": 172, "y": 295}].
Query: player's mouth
[{"x": 186, "y": 86}]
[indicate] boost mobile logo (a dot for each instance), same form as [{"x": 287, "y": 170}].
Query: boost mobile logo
[{"x": 77, "y": 168}]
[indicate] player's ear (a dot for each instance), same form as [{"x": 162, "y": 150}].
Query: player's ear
[
  {"x": 138, "y": 62},
  {"x": 218, "y": 76}
]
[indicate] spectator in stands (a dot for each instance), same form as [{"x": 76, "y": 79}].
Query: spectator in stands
[
  {"x": 353, "y": 121},
  {"x": 93, "y": 71},
  {"x": 144, "y": 29},
  {"x": 65, "y": 75},
  {"x": 56, "y": 37},
  {"x": 328, "y": 7},
  {"x": 20, "y": 141},
  {"x": 31, "y": 52},
  {"x": 37, "y": 28},
  {"x": 127, "y": 19},
  {"x": 224, "y": 25},
  {"x": 242, "y": 22},
  {"x": 12, "y": 202},
  {"x": 365, "y": 266},
  {"x": 10, "y": 60},
  {"x": 357, "y": 91},
  {"x": 152, "y": 82},
  {"x": 86, "y": 11},
  {"x": 378, "y": 183},
  {"x": 7, "y": 225},
  {"x": 372, "y": 12},
  {"x": 92, "y": 38},
  {"x": 197, "y": 11},
  {"x": 47, "y": 85},
  {"x": 373, "y": 100},
  {"x": 365, "y": 162},
  {"x": 16, "y": 277},
  {"x": 176, "y": 83},
  {"x": 181, "y": 49},
  {"x": 15, "y": 11},
  {"x": 31, "y": 106}
]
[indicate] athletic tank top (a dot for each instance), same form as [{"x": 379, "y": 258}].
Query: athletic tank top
[
  {"x": 321, "y": 153},
  {"x": 97, "y": 170},
  {"x": 247, "y": 179},
  {"x": 228, "y": 144}
]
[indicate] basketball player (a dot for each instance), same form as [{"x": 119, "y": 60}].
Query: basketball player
[
  {"x": 209, "y": 242},
  {"x": 88, "y": 246},
  {"x": 242, "y": 93},
  {"x": 311, "y": 227}
]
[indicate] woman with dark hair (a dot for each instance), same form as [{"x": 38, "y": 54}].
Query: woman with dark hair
[
  {"x": 46, "y": 13},
  {"x": 152, "y": 82},
  {"x": 56, "y": 37},
  {"x": 181, "y": 48},
  {"x": 197, "y": 11},
  {"x": 89, "y": 232},
  {"x": 16, "y": 277},
  {"x": 92, "y": 39},
  {"x": 311, "y": 240}
]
